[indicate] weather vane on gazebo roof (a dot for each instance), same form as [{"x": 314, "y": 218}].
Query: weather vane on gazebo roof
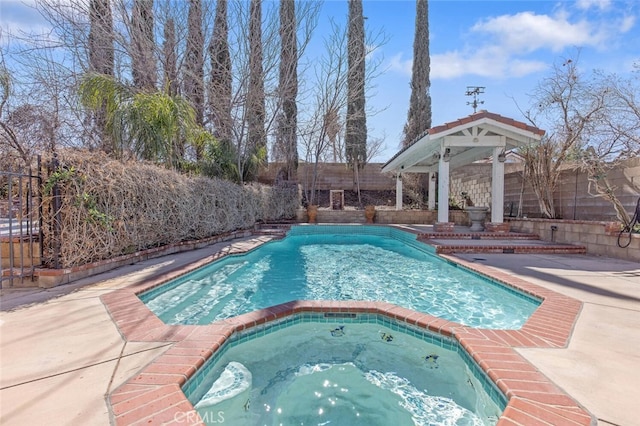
[{"x": 475, "y": 91}]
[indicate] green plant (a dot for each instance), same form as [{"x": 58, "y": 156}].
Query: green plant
[
  {"x": 60, "y": 175},
  {"x": 89, "y": 202}
]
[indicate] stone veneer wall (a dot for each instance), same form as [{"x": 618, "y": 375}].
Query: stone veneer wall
[{"x": 600, "y": 238}]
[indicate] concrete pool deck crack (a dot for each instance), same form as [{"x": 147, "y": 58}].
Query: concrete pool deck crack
[{"x": 84, "y": 367}]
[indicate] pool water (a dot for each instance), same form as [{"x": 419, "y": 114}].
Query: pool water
[
  {"x": 341, "y": 374},
  {"x": 339, "y": 267}
]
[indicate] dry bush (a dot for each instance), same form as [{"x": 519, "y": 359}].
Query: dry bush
[{"x": 110, "y": 208}]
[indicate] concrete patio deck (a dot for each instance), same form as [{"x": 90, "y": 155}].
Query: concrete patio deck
[{"x": 61, "y": 358}]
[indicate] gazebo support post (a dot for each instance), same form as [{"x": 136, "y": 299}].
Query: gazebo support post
[
  {"x": 431, "y": 195},
  {"x": 399, "y": 191},
  {"x": 497, "y": 193},
  {"x": 443, "y": 224},
  {"x": 462, "y": 142}
]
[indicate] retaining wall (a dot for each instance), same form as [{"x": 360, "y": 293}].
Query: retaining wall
[
  {"x": 600, "y": 238},
  {"x": 572, "y": 197},
  {"x": 413, "y": 217},
  {"x": 336, "y": 176}
]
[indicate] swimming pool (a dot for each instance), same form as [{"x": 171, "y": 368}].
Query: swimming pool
[
  {"x": 368, "y": 369},
  {"x": 368, "y": 263}
]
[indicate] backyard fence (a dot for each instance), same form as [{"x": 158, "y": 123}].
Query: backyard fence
[{"x": 20, "y": 224}]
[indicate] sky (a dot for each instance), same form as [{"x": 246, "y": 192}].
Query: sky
[{"x": 507, "y": 47}]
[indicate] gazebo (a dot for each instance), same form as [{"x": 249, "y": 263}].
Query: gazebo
[{"x": 452, "y": 145}]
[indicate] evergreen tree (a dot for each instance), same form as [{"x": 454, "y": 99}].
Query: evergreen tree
[
  {"x": 220, "y": 83},
  {"x": 101, "y": 59},
  {"x": 286, "y": 147},
  {"x": 101, "y": 53},
  {"x": 170, "y": 65},
  {"x": 193, "y": 79},
  {"x": 142, "y": 48},
  {"x": 356, "y": 120},
  {"x": 255, "y": 105},
  {"x": 419, "y": 116}
]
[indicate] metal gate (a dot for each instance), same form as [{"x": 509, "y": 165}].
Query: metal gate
[{"x": 20, "y": 225}]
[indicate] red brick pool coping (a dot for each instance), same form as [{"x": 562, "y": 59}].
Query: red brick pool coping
[{"x": 154, "y": 395}]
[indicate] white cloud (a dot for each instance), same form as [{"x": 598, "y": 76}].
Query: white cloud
[
  {"x": 588, "y": 4},
  {"x": 510, "y": 45},
  {"x": 21, "y": 17},
  {"x": 487, "y": 62},
  {"x": 627, "y": 24},
  {"x": 400, "y": 65},
  {"x": 527, "y": 32}
]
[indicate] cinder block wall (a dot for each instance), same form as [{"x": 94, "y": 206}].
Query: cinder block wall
[
  {"x": 600, "y": 238},
  {"x": 572, "y": 197},
  {"x": 336, "y": 176},
  {"x": 475, "y": 180}
]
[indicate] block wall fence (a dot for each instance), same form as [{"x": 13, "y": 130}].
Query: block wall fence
[{"x": 572, "y": 199}]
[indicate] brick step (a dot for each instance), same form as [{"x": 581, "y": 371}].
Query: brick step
[
  {"x": 272, "y": 229},
  {"x": 478, "y": 236},
  {"x": 510, "y": 249},
  {"x": 278, "y": 232}
]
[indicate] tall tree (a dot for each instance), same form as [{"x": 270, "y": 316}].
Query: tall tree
[
  {"x": 220, "y": 83},
  {"x": 419, "y": 116},
  {"x": 169, "y": 49},
  {"x": 255, "y": 105},
  {"x": 193, "y": 79},
  {"x": 142, "y": 49},
  {"x": 101, "y": 57},
  {"x": 356, "y": 120},
  {"x": 101, "y": 53},
  {"x": 286, "y": 136}
]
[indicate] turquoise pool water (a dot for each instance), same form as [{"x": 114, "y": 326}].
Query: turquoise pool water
[
  {"x": 366, "y": 371},
  {"x": 340, "y": 263}
]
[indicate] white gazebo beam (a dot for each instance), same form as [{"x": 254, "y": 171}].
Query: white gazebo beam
[
  {"x": 473, "y": 141},
  {"x": 469, "y": 156},
  {"x": 420, "y": 169}
]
